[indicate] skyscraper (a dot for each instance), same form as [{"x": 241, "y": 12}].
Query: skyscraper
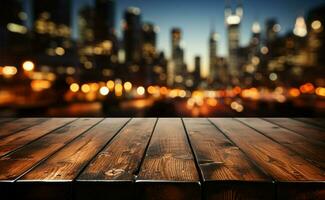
[
  {"x": 272, "y": 28},
  {"x": 197, "y": 71},
  {"x": 86, "y": 25},
  {"x": 213, "y": 42},
  {"x": 149, "y": 35},
  {"x": 104, "y": 19},
  {"x": 255, "y": 42},
  {"x": 177, "y": 55},
  {"x": 233, "y": 20},
  {"x": 52, "y": 25},
  {"x": 132, "y": 35},
  {"x": 13, "y": 32}
]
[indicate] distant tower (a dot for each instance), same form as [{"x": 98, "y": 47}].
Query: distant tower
[
  {"x": 213, "y": 42},
  {"x": 233, "y": 20},
  {"x": 197, "y": 71},
  {"x": 104, "y": 19},
  {"x": 132, "y": 35},
  {"x": 272, "y": 29},
  {"x": 86, "y": 25},
  {"x": 149, "y": 34},
  {"x": 177, "y": 55},
  {"x": 255, "y": 42}
]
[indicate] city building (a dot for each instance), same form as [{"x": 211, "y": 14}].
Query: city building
[
  {"x": 132, "y": 28},
  {"x": 233, "y": 20},
  {"x": 54, "y": 49},
  {"x": 177, "y": 58},
  {"x": 14, "y": 33},
  {"x": 149, "y": 36},
  {"x": 213, "y": 59}
]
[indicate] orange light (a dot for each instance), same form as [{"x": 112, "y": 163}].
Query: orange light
[
  {"x": 40, "y": 85},
  {"x": 294, "y": 92},
  {"x": 237, "y": 90},
  {"x": 307, "y": 88},
  {"x": 163, "y": 91},
  {"x": 94, "y": 87},
  {"x": 212, "y": 102},
  {"x": 151, "y": 90}
]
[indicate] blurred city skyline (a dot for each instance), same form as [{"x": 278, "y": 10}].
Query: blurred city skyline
[
  {"x": 127, "y": 58},
  {"x": 196, "y": 25}
]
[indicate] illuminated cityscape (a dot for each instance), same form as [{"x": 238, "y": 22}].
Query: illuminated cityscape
[{"x": 45, "y": 71}]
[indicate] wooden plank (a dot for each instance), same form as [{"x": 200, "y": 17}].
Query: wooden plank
[
  {"x": 4, "y": 120},
  {"x": 12, "y": 127},
  {"x": 15, "y": 164},
  {"x": 301, "y": 128},
  {"x": 309, "y": 149},
  {"x": 227, "y": 172},
  {"x": 21, "y": 138},
  {"x": 168, "y": 170},
  {"x": 53, "y": 178},
  {"x": 278, "y": 161},
  {"x": 314, "y": 121},
  {"x": 112, "y": 173}
]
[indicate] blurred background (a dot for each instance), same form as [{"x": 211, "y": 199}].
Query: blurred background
[{"x": 145, "y": 58}]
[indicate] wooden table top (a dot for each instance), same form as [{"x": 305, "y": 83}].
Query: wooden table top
[{"x": 165, "y": 158}]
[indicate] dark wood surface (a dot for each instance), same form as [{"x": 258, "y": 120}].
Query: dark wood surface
[{"x": 172, "y": 158}]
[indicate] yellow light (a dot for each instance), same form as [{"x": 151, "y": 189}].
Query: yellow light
[
  {"x": 110, "y": 85},
  {"x": 316, "y": 25},
  {"x": 40, "y": 85},
  {"x": 104, "y": 91},
  {"x": 320, "y": 91},
  {"x": 74, "y": 87},
  {"x": 28, "y": 66},
  {"x": 94, "y": 87},
  {"x": 128, "y": 86},
  {"x": 151, "y": 89},
  {"x": 9, "y": 71},
  {"x": 182, "y": 93},
  {"x": 17, "y": 28},
  {"x": 85, "y": 88},
  {"x": 141, "y": 91},
  {"x": 59, "y": 51},
  {"x": 118, "y": 87}
]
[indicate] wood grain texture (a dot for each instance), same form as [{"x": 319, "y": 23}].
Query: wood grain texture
[
  {"x": 281, "y": 163},
  {"x": 227, "y": 173},
  {"x": 314, "y": 121},
  {"x": 116, "y": 166},
  {"x": 15, "y": 164},
  {"x": 309, "y": 149},
  {"x": 11, "y": 127},
  {"x": 168, "y": 165},
  {"x": 4, "y": 120},
  {"x": 56, "y": 174},
  {"x": 301, "y": 128},
  {"x": 21, "y": 138}
]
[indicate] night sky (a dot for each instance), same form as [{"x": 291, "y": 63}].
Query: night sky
[{"x": 195, "y": 17}]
